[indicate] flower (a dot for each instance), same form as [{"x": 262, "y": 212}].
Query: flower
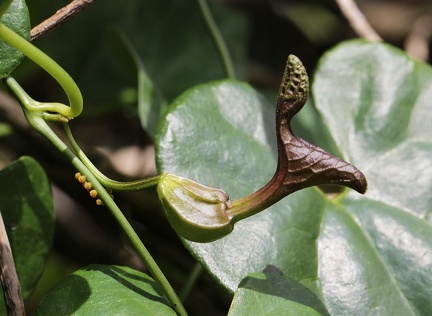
[{"x": 195, "y": 211}]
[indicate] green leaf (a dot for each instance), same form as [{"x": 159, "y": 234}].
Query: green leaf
[
  {"x": 379, "y": 116},
  {"x": 151, "y": 103},
  {"x": 27, "y": 209},
  {"x": 105, "y": 290},
  {"x": 17, "y": 19},
  {"x": 171, "y": 40},
  {"x": 362, "y": 254},
  {"x": 269, "y": 294}
]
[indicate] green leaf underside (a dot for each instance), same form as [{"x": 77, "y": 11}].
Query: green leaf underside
[
  {"x": 274, "y": 295},
  {"x": 28, "y": 212},
  {"x": 105, "y": 290},
  {"x": 17, "y": 19},
  {"x": 369, "y": 253}
]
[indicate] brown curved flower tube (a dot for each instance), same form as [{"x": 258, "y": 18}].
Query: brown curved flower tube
[{"x": 300, "y": 164}]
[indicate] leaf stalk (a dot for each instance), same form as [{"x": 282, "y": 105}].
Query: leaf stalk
[{"x": 217, "y": 38}]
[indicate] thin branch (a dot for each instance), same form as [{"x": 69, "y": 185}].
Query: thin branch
[
  {"x": 357, "y": 20},
  {"x": 8, "y": 276},
  {"x": 60, "y": 17},
  {"x": 417, "y": 42}
]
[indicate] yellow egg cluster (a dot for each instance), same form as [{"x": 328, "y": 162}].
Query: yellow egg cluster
[{"x": 89, "y": 188}]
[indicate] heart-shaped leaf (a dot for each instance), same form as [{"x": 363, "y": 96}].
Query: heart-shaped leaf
[
  {"x": 17, "y": 19},
  {"x": 27, "y": 209},
  {"x": 274, "y": 295},
  {"x": 377, "y": 104},
  {"x": 370, "y": 254},
  {"x": 105, "y": 290}
]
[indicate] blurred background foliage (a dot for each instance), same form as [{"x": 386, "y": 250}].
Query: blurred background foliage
[{"x": 168, "y": 40}]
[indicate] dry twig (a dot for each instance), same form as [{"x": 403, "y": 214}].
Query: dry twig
[
  {"x": 417, "y": 42},
  {"x": 60, "y": 17},
  {"x": 8, "y": 276},
  {"x": 357, "y": 20}
]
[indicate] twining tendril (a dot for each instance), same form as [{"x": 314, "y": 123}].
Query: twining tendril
[{"x": 51, "y": 109}]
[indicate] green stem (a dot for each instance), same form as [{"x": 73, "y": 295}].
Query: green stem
[
  {"x": 217, "y": 38},
  {"x": 125, "y": 225},
  {"x": 36, "y": 120},
  {"x": 107, "y": 182},
  {"x": 49, "y": 65},
  {"x": 196, "y": 271}
]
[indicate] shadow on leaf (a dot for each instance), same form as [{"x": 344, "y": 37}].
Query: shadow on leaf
[{"x": 275, "y": 284}]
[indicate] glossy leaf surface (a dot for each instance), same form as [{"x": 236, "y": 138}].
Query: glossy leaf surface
[
  {"x": 274, "y": 295},
  {"x": 387, "y": 264},
  {"x": 369, "y": 253},
  {"x": 27, "y": 209},
  {"x": 105, "y": 290},
  {"x": 17, "y": 19}
]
